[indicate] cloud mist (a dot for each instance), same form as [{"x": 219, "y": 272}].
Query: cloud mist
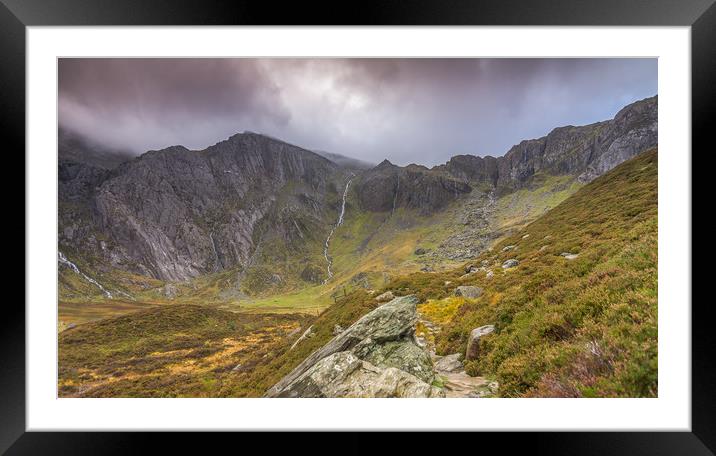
[{"x": 407, "y": 110}]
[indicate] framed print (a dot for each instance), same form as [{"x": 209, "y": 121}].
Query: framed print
[{"x": 464, "y": 217}]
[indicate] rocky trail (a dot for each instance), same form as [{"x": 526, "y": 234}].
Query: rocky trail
[{"x": 450, "y": 370}]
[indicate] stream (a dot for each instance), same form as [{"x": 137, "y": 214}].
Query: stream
[{"x": 338, "y": 223}]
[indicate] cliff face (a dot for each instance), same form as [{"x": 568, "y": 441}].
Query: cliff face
[
  {"x": 587, "y": 151},
  {"x": 387, "y": 187},
  {"x": 176, "y": 213}
]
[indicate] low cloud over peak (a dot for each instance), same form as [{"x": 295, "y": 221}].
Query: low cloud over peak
[{"x": 407, "y": 110}]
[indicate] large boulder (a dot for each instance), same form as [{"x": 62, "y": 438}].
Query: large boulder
[
  {"x": 473, "y": 350},
  {"x": 382, "y": 349},
  {"x": 344, "y": 374},
  {"x": 468, "y": 291},
  {"x": 402, "y": 354}
]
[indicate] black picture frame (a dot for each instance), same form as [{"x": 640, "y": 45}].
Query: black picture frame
[{"x": 16, "y": 15}]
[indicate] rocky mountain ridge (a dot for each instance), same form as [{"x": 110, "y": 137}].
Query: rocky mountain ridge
[{"x": 175, "y": 214}]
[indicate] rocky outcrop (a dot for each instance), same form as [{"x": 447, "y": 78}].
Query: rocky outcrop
[
  {"x": 585, "y": 151},
  {"x": 387, "y": 187},
  {"x": 375, "y": 357},
  {"x": 176, "y": 213}
]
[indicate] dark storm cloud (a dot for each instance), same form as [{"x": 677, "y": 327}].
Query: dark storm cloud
[{"x": 406, "y": 110}]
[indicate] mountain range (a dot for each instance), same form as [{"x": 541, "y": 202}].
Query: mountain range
[{"x": 263, "y": 211}]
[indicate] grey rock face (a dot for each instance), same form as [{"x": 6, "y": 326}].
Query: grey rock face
[
  {"x": 473, "y": 350},
  {"x": 587, "y": 151},
  {"x": 374, "y": 357},
  {"x": 387, "y": 187},
  {"x": 345, "y": 375},
  {"x": 511, "y": 263},
  {"x": 468, "y": 291},
  {"x": 175, "y": 214}
]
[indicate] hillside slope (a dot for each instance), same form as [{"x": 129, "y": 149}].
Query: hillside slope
[{"x": 582, "y": 324}]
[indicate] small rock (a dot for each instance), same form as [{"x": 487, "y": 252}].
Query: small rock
[
  {"x": 236, "y": 368},
  {"x": 525, "y": 236},
  {"x": 494, "y": 386},
  {"x": 427, "y": 268},
  {"x": 511, "y": 263},
  {"x": 543, "y": 248},
  {"x": 473, "y": 341},
  {"x": 468, "y": 268},
  {"x": 489, "y": 274},
  {"x": 420, "y": 251},
  {"x": 449, "y": 363},
  {"x": 468, "y": 291},
  {"x": 508, "y": 247},
  {"x": 447, "y": 282},
  {"x": 569, "y": 256},
  {"x": 387, "y": 296},
  {"x": 337, "y": 329}
]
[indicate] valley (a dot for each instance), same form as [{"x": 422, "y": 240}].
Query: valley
[{"x": 220, "y": 272}]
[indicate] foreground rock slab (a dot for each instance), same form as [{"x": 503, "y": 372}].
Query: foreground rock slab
[{"x": 375, "y": 357}]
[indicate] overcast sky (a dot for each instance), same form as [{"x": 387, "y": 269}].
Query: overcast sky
[{"x": 407, "y": 110}]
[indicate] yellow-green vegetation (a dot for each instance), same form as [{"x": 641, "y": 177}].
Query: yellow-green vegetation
[
  {"x": 172, "y": 351},
  {"x": 516, "y": 209},
  {"x": 441, "y": 311}
]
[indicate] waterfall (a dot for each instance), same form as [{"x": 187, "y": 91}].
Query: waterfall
[
  {"x": 63, "y": 260},
  {"x": 338, "y": 223}
]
